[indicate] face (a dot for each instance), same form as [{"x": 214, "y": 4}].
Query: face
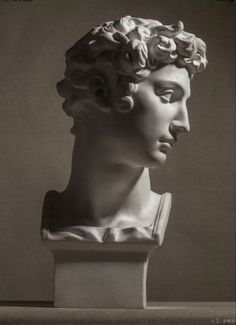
[{"x": 158, "y": 116}]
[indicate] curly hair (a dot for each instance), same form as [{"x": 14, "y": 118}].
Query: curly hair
[{"x": 124, "y": 52}]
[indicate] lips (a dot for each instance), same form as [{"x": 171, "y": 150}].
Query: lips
[
  {"x": 166, "y": 144},
  {"x": 168, "y": 141}
]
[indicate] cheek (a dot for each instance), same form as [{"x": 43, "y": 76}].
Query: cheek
[
  {"x": 152, "y": 121},
  {"x": 149, "y": 107}
]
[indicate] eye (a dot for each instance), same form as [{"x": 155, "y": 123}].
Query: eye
[{"x": 165, "y": 95}]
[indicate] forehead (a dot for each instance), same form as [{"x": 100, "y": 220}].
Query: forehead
[{"x": 171, "y": 76}]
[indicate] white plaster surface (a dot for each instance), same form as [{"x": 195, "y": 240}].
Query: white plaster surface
[{"x": 100, "y": 275}]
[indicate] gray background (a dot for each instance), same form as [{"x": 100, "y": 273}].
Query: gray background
[{"x": 196, "y": 262}]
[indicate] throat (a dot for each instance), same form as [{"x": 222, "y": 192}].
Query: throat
[{"x": 112, "y": 196}]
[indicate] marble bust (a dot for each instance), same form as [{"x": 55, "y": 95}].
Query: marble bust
[{"x": 126, "y": 85}]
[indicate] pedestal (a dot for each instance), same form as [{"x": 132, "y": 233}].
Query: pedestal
[
  {"x": 99, "y": 267},
  {"x": 100, "y": 275}
]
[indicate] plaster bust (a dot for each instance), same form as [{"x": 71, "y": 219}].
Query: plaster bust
[{"x": 126, "y": 85}]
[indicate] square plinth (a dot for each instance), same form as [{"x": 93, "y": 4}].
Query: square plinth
[{"x": 98, "y": 275}]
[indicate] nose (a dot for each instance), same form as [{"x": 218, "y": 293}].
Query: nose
[{"x": 181, "y": 120}]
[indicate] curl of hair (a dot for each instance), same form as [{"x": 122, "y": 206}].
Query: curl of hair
[{"x": 125, "y": 51}]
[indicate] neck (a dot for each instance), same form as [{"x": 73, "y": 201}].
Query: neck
[{"x": 104, "y": 192}]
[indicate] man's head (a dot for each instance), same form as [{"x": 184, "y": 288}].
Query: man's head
[
  {"x": 107, "y": 64},
  {"x": 138, "y": 71}
]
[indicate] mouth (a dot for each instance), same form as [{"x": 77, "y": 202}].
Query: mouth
[
  {"x": 167, "y": 144},
  {"x": 168, "y": 141}
]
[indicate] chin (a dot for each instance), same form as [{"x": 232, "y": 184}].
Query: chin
[{"x": 156, "y": 160}]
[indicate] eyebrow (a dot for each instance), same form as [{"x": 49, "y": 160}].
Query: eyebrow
[{"x": 171, "y": 84}]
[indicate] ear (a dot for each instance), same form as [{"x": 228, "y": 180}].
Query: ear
[
  {"x": 99, "y": 92},
  {"x": 124, "y": 105}
]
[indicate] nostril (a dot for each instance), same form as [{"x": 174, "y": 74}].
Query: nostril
[{"x": 176, "y": 128}]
